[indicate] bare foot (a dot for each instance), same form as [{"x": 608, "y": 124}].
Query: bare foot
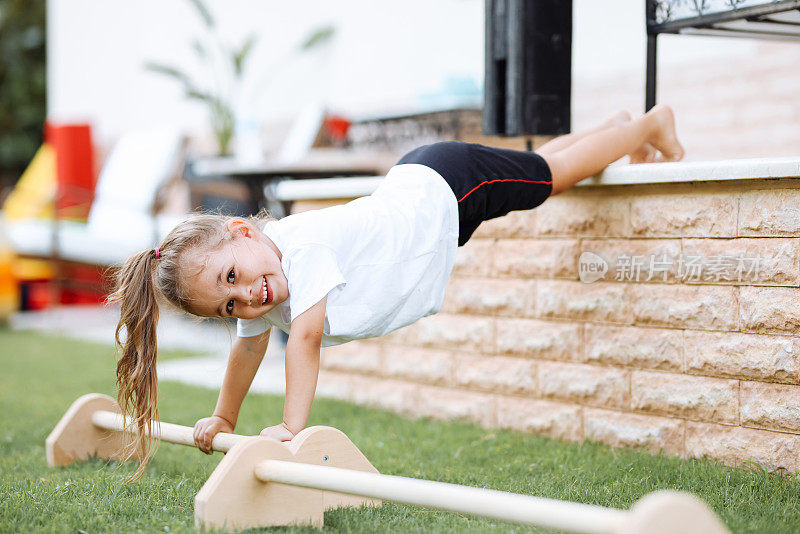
[
  {"x": 644, "y": 154},
  {"x": 664, "y": 139}
]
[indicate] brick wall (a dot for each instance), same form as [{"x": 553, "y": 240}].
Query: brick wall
[
  {"x": 694, "y": 365},
  {"x": 734, "y": 106},
  {"x": 738, "y": 106}
]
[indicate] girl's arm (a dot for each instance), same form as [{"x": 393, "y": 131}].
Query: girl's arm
[
  {"x": 245, "y": 358},
  {"x": 302, "y": 370},
  {"x": 243, "y": 362}
]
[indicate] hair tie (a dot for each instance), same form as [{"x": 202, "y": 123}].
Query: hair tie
[{"x": 157, "y": 252}]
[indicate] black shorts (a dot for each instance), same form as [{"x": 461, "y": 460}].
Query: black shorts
[{"x": 488, "y": 182}]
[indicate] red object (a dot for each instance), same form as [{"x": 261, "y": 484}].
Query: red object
[
  {"x": 337, "y": 127},
  {"x": 75, "y": 296},
  {"x": 76, "y": 179},
  {"x": 84, "y": 284},
  {"x": 74, "y": 168},
  {"x": 36, "y": 295},
  {"x": 80, "y": 284}
]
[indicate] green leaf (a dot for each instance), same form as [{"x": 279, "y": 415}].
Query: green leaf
[
  {"x": 318, "y": 37},
  {"x": 203, "y": 11},
  {"x": 200, "y": 49},
  {"x": 167, "y": 70},
  {"x": 240, "y": 55},
  {"x": 188, "y": 85},
  {"x": 199, "y": 95}
]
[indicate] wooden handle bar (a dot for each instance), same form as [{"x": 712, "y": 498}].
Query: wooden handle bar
[
  {"x": 182, "y": 435},
  {"x": 561, "y": 515}
]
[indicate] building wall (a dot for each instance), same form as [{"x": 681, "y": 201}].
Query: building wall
[
  {"x": 694, "y": 363},
  {"x": 733, "y": 97},
  {"x": 739, "y": 106}
]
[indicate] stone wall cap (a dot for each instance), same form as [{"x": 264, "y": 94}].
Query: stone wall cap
[
  {"x": 698, "y": 171},
  {"x": 643, "y": 173}
]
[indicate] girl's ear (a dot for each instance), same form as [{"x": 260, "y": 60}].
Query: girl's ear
[{"x": 241, "y": 228}]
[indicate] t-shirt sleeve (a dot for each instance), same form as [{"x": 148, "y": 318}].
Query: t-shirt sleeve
[
  {"x": 312, "y": 271},
  {"x": 252, "y": 327}
]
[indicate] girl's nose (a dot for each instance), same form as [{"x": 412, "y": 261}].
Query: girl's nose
[{"x": 246, "y": 295}]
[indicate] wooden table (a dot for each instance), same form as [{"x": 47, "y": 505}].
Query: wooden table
[{"x": 318, "y": 163}]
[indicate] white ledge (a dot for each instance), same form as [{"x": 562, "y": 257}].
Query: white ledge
[
  {"x": 322, "y": 188},
  {"x": 697, "y": 171},
  {"x": 644, "y": 173}
]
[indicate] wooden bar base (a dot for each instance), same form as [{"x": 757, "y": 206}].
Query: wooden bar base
[
  {"x": 75, "y": 437},
  {"x": 262, "y": 482}
]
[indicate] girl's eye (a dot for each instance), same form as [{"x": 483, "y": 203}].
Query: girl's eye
[
  {"x": 229, "y": 307},
  {"x": 231, "y": 277}
]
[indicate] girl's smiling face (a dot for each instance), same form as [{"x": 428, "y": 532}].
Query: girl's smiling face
[{"x": 241, "y": 278}]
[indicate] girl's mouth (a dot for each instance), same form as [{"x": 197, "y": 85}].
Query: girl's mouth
[{"x": 266, "y": 294}]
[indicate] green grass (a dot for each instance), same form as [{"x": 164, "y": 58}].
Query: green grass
[{"x": 40, "y": 377}]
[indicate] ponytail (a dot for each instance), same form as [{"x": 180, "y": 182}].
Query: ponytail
[
  {"x": 136, "y": 368},
  {"x": 141, "y": 278}
]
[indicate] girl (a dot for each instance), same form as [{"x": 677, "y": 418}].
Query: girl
[{"x": 346, "y": 272}]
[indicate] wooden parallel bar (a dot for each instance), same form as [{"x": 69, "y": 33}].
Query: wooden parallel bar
[
  {"x": 178, "y": 434},
  {"x": 525, "y": 509}
]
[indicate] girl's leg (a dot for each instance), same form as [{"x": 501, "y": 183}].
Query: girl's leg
[
  {"x": 595, "y": 151},
  {"x": 563, "y": 141},
  {"x": 643, "y": 154}
]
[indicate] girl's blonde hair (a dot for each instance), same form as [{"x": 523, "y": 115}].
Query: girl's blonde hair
[{"x": 142, "y": 280}]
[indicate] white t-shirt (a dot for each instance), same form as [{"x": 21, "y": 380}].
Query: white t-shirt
[{"x": 382, "y": 260}]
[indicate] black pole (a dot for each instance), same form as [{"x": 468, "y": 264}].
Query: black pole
[
  {"x": 650, "y": 86},
  {"x": 528, "y": 67},
  {"x": 652, "y": 55}
]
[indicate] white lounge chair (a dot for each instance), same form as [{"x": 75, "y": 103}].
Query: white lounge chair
[{"x": 120, "y": 221}]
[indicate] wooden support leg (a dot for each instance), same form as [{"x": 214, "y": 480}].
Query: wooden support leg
[
  {"x": 668, "y": 512},
  {"x": 233, "y": 498},
  {"x": 325, "y": 445},
  {"x": 75, "y": 437}
]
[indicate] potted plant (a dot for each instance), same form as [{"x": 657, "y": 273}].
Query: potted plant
[{"x": 226, "y": 67}]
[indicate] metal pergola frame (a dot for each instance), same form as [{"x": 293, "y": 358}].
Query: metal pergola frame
[{"x": 758, "y": 21}]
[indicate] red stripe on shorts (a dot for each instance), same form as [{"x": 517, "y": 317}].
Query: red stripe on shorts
[{"x": 503, "y": 180}]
